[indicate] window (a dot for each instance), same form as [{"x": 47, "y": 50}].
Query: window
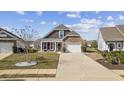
[
  {"x": 44, "y": 46},
  {"x": 52, "y": 46},
  {"x": 61, "y": 34},
  {"x": 119, "y": 45}
]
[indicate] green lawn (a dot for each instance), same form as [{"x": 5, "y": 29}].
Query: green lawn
[
  {"x": 91, "y": 49},
  {"x": 46, "y": 60}
]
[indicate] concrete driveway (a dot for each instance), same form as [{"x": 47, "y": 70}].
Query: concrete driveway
[
  {"x": 77, "y": 66},
  {"x": 3, "y": 55}
]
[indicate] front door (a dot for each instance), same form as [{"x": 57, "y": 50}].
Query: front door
[
  {"x": 59, "y": 45},
  {"x": 111, "y": 47}
]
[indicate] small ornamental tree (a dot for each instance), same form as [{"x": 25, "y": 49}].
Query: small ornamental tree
[
  {"x": 83, "y": 46},
  {"x": 94, "y": 44},
  {"x": 27, "y": 34}
]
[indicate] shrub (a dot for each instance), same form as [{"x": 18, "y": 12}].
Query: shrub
[
  {"x": 18, "y": 50},
  {"x": 104, "y": 53},
  {"x": 15, "y": 49},
  {"x": 114, "y": 56},
  {"x": 63, "y": 49},
  {"x": 84, "y": 49}
]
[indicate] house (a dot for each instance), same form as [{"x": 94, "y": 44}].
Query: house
[
  {"x": 89, "y": 43},
  {"x": 30, "y": 44},
  {"x": 61, "y": 38},
  {"x": 9, "y": 42},
  {"x": 111, "y": 38}
]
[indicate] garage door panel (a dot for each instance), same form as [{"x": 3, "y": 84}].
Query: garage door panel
[
  {"x": 6, "y": 47},
  {"x": 73, "y": 48}
]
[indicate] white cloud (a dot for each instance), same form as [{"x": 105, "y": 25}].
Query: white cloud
[
  {"x": 109, "y": 24},
  {"x": 97, "y": 12},
  {"x": 27, "y": 20},
  {"x": 86, "y": 25},
  {"x": 48, "y": 23},
  {"x": 109, "y": 18},
  {"x": 54, "y": 23},
  {"x": 43, "y": 22},
  {"x": 20, "y": 12},
  {"x": 39, "y": 13},
  {"x": 91, "y": 21},
  {"x": 61, "y": 12},
  {"x": 121, "y": 17},
  {"x": 82, "y": 28},
  {"x": 73, "y": 14}
]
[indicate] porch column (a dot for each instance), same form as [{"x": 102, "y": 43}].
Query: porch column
[
  {"x": 46, "y": 45},
  {"x": 41, "y": 47},
  {"x": 55, "y": 47},
  {"x": 123, "y": 45}
]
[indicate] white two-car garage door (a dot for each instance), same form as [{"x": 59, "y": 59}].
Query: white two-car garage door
[
  {"x": 6, "y": 47},
  {"x": 73, "y": 48}
]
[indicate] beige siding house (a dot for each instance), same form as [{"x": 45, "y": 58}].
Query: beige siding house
[{"x": 61, "y": 36}]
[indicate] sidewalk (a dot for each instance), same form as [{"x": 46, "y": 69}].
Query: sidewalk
[{"x": 28, "y": 71}]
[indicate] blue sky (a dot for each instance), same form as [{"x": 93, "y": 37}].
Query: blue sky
[{"x": 86, "y": 23}]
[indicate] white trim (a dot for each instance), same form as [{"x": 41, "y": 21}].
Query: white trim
[
  {"x": 119, "y": 30},
  {"x": 41, "y": 47},
  {"x": 121, "y": 45},
  {"x": 7, "y": 39},
  {"x": 55, "y": 47},
  {"x": 70, "y": 35},
  {"x": 9, "y": 34}
]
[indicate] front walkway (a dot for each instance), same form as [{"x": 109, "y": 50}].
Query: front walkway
[{"x": 77, "y": 66}]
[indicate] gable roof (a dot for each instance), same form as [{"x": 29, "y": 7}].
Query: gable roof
[
  {"x": 13, "y": 35},
  {"x": 1, "y": 29},
  {"x": 59, "y": 27},
  {"x": 72, "y": 33},
  {"x": 111, "y": 34}
]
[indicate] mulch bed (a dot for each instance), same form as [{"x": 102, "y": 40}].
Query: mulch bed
[
  {"x": 98, "y": 58},
  {"x": 110, "y": 66}
]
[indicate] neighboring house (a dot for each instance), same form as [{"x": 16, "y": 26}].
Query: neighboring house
[
  {"x": 9, "y": 41},
  {"x": 61, "y": 37},
  {"x": 89, "y": 43},
  {"x": 111, "y": 38},
  {"x": 30, "y": 44}
]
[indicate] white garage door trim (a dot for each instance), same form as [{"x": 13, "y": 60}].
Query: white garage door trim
[
  {"x": 6, "y": 47},
  {"x": 73, "y": 48}
]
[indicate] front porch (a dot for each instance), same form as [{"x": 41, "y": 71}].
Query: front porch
[
  {"x": 51, "y": 46},
  {"x": 115, "y": 45}
]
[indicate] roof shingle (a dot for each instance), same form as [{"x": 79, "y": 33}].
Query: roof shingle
[{"x": 111, "y": 34}]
